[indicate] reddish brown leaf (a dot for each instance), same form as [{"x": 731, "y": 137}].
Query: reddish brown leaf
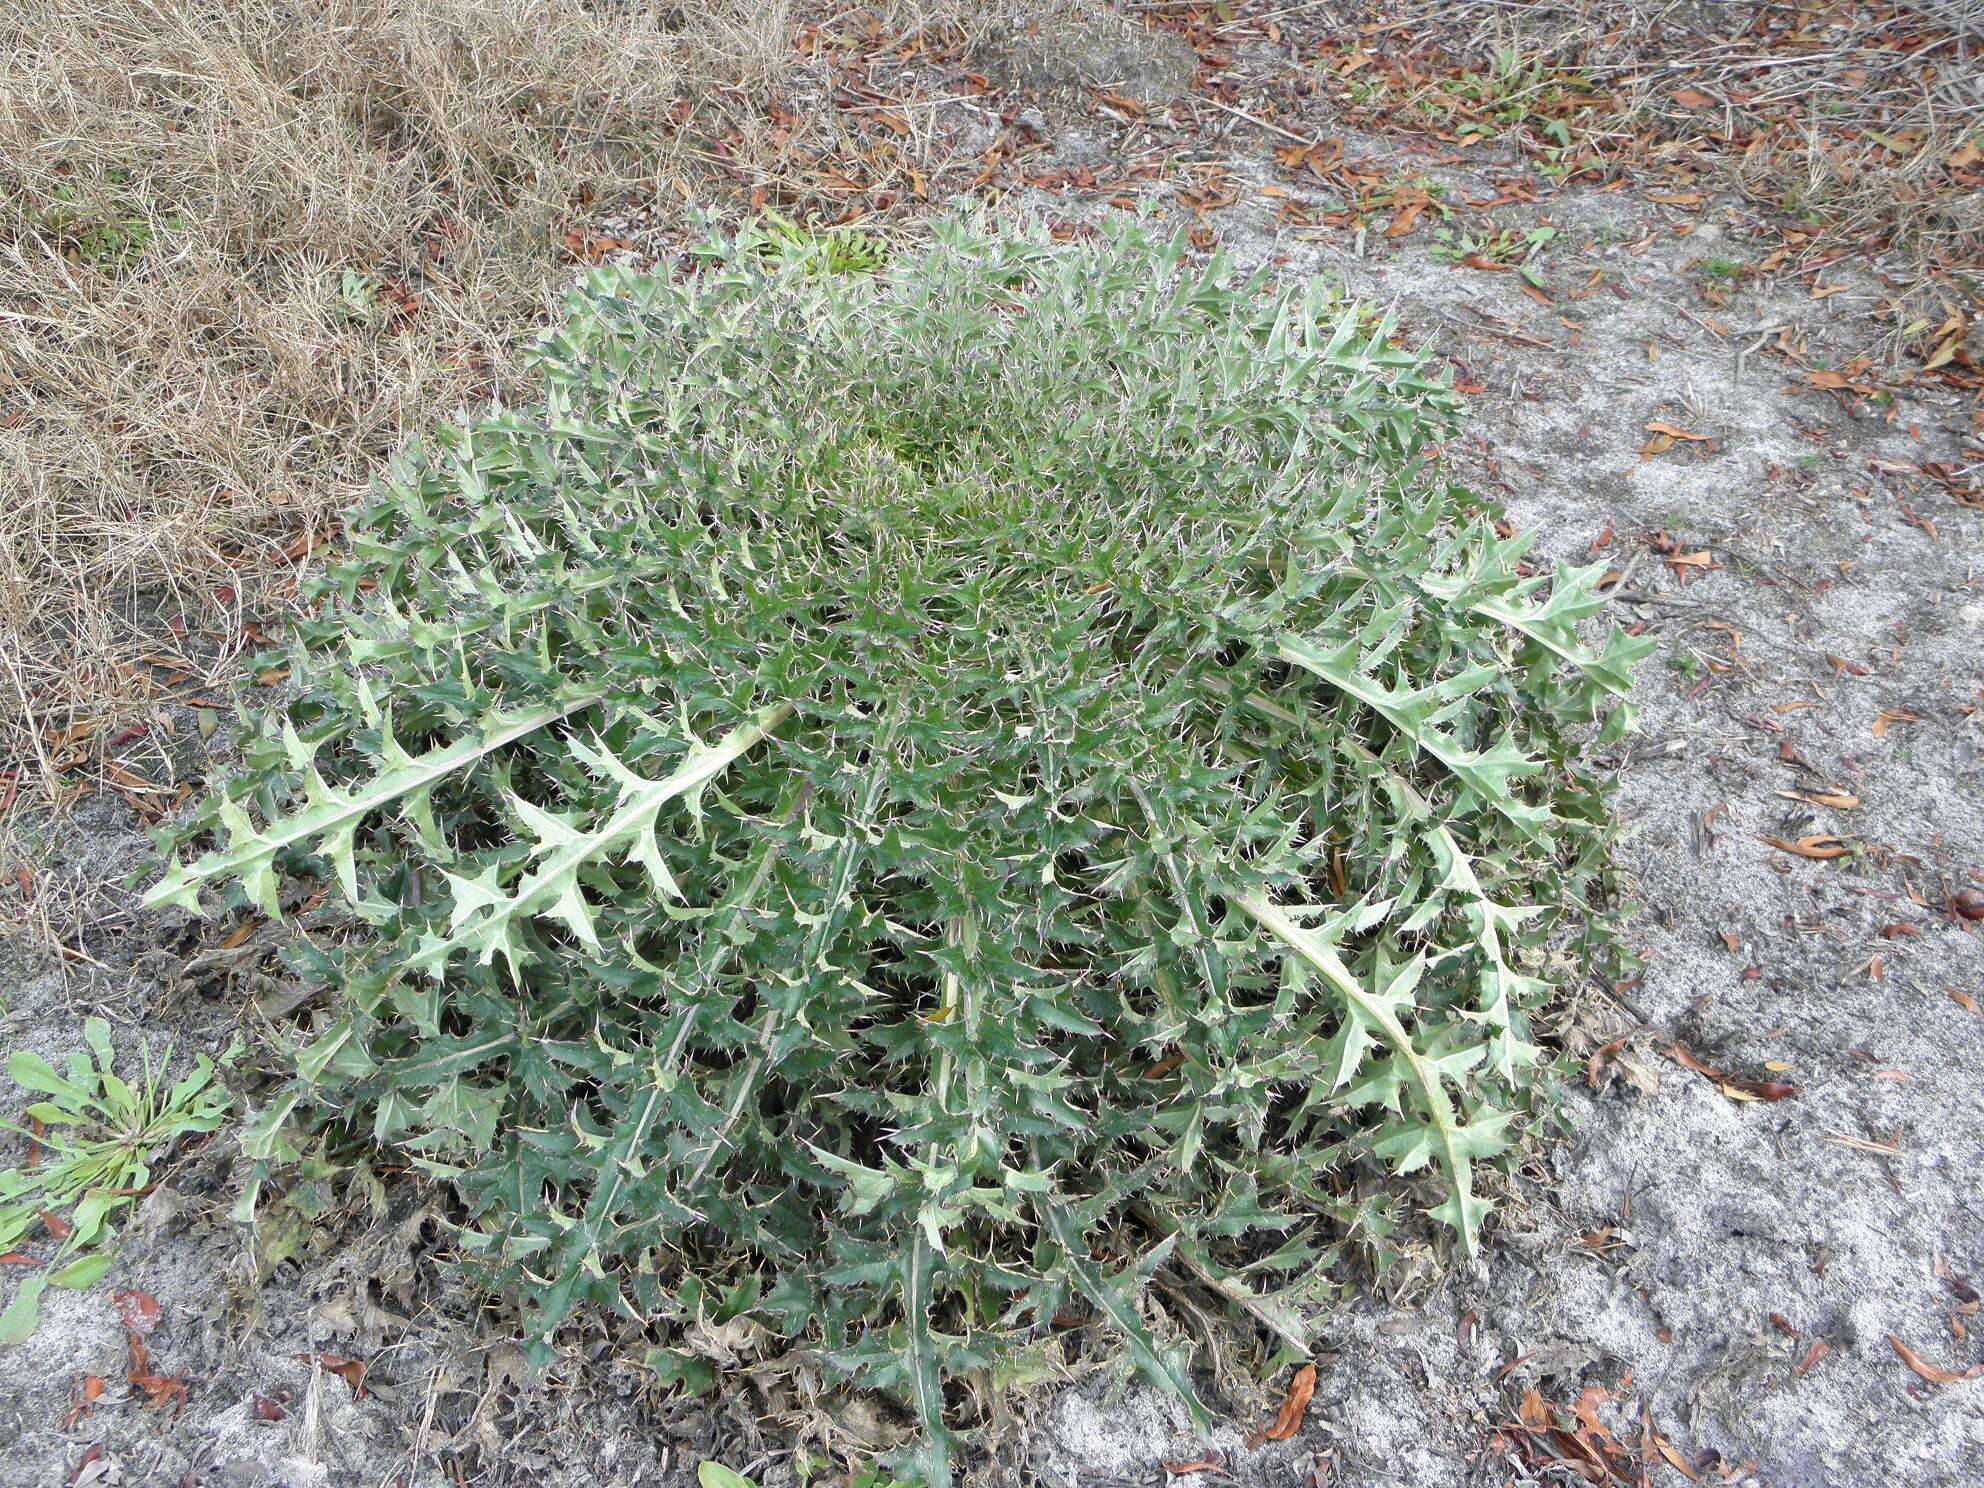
[
  {"x": 88, "y": 1460},
  {"x": 1930, "y": 1372},
  {"x": 1675, "y": 1460},
  {"x": 1890, "y": 717},
  {"x": 1734, "y": 1087},
  {"x": 158, "y": 1390},
  {"x": 1294, "y": 1405},
  {"x": 351, "y": 1371},
  {"x": 1404, "y": 218},
  {"x": 1762, "y": 1090},
  {"x": 1818, "y": 846},
  {"x": 1594, "y": 1069},
  {"x": 88, "y": 1393},
  {"x": 140, "y": 1311}
]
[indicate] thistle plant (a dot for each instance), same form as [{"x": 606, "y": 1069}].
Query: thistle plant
[{"x": 907, "y": 806}]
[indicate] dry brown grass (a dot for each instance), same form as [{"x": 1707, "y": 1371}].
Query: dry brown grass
[{"x": 246, "y": 247}]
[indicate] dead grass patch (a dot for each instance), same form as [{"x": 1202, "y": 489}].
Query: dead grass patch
[{"x": 246, "y": 248}]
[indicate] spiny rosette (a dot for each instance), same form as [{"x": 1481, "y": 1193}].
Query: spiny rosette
[{"x": 901, "y": 806}]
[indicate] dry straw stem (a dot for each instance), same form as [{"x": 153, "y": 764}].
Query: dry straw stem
[{"x": 246, "y": 247}]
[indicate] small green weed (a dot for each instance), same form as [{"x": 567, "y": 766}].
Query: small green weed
[
  {"x": 1720, "y": 275},
  {"x": 107, "y": 234},
  {"x": 95, "y": 1137},
  {"x": 1399, "y": 192},
  {"x": 1512, "y": 95},
  {"x": 834, "y": 250},
  {"x": 1506, "y": 248},
  {"x": 356, "y": 296}
]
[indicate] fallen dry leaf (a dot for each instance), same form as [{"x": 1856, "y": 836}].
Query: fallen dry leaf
[
  {"x": 90, "y": 1467},
  {"x": 1675, "y": 1460},
  {"x": 139, "y": 1310},
  {"x": 1930, "y": 1372},
  {"x": 1817, "y": 846},
  {"x": 1734, "y": 1087},
  {"x": 1839, "y": 800},
  {"x": 1404, "y": 218},
  {"x": 1890, "y": 717},
  {"x": 88, "y": 1393},
  {"x": 351, "y": 1371},
  {"x": 1294, "y": 1406},
  {"x": 158, "y": 1390}
]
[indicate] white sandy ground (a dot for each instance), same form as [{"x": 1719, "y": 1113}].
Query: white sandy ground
[{"x": 1683, "y": 1250}]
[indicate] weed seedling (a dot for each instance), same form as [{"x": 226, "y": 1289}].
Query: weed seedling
[{"x": 93, "y": 1140}]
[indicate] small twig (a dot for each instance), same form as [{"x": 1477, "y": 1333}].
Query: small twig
[{"x": 1287, "y": 134}]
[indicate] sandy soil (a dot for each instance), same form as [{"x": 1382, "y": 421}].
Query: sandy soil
[{"x": 1720, "y": 1283}]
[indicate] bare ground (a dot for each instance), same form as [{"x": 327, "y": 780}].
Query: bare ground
[{"x": 1695, "y": 1282}]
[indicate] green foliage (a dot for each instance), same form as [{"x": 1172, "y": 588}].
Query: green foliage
[
  {"x": 1529, "y": 100},
  {"x": 1513, "y": 91},
  {"x": 1504, "y": 248},
  {"x": 95, "y": 1140},
  {"x": 783, "y": 243},
  {"x": 901, "y": 807},
  {"x": 105, "y": 229}
]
